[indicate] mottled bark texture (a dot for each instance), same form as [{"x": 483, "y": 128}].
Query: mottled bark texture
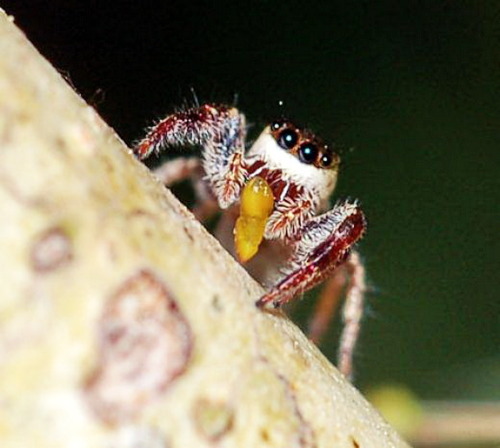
[{"x": 122, "y": 321}]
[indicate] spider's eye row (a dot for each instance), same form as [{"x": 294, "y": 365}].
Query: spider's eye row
[
  {"x": 288, "y": 139},
  {"x": 308, "y": 153}
]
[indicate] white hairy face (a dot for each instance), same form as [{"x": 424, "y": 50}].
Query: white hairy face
[{"x": 301, "y": 157}]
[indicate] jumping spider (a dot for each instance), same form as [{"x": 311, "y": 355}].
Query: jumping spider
[{"x": 282, "y": 184}]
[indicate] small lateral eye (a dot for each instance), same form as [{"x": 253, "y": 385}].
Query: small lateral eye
[
  {"x": 308, "y": 153},
  {"x": 326, "y": 160},
  {"x": 287, "y": 139},
  {"x": 275, "y": 125}
]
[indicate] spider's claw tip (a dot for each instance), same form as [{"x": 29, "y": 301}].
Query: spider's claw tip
[{"x": 265, "y": 303}]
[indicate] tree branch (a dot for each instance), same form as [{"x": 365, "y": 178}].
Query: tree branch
[{"x": 122, "y": 321}]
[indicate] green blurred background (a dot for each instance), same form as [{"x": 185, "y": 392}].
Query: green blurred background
[{"x": 410, "y": 91}]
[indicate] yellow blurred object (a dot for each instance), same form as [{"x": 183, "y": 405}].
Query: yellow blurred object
[
  {"x": 399, "y": 406},
  {"x": 257, "y": 203}
]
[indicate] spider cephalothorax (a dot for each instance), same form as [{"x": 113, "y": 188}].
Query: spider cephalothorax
[{"x": 276, "y": 196}]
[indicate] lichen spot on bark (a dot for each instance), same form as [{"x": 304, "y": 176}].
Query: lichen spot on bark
[
  {"x": 51, "y": 250},
  {"x": 213, "y": 419},
  {"x": 144, "y": 344}
]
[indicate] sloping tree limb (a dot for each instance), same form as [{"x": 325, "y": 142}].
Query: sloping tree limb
[{"x": 122, "y": 321}]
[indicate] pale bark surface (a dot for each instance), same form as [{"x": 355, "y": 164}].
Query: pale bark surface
[{"x": 122, "y": 321}]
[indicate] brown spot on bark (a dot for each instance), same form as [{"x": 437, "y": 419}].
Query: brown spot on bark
[
  {"x": 355, "y": 443},
  {"x": 51, "y": 250},
  {"x": 213, "y": 419},
  {"x": 189, "y": 232},
  {"x": 264, "y": 435},
  {"x": 145, "y": 343},
  {"x": 217, "y": 303}
]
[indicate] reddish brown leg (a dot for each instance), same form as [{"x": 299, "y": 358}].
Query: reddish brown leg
[
  {"x": 183, "y": 168},
  {"x": 205, "y": 208},
  {"x": 325, "y": 243},
  {"x": 352, "y": 313},
  {"x": 177, "y": 170},
  {"x": 220, "y": 130},
  {"x": 324, "y": 251},
  {"x": 352, "y": 273},
  {"x": 327, "y": 304}
]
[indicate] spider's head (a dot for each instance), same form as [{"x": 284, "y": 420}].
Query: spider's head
[{"x": 301, "y": 155}]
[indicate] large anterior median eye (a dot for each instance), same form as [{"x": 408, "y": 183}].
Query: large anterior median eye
[
  {"x": 287, "y": 138},
  {"x": 308, "y": 153}
]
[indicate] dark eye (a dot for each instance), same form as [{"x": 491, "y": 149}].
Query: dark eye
[
  {"x": 287, "y": 139},
  {"x": 275, "y": 125},
  {"x": 308, "y": 153},
  {"x": 326, "y": 160}
]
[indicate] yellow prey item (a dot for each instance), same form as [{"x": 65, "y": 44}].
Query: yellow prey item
[{"x": 256, "y": 205}]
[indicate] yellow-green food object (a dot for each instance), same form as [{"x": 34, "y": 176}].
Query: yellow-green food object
[{"x": 257, "y": 203}]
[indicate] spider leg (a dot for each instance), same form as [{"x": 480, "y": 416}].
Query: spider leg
[
  {"x": 327, "y": 304},
  {"x": 352, "y": 274},
  {"x": 206, "y": 204},
  {"x": 324, "y": 251},
  {"x": 220, "y": 130},
  {"x": 325, "y": 243},
  {"x": 182, "y": 168},
  {"x": 352, "y": 313},
  {"x": 177, "y": 170}
]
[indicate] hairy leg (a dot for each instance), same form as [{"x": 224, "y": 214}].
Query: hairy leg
[
  {"x": 177, "y": 170},
  {"x": 352, "y": 312},
  {"x": 325, "y": 243},
  {"x": 324, "y": 252},
  {"x": 220, "y": 130},
  {"x": 184, "y": 168},
  {"x": 327, "y": 304}
]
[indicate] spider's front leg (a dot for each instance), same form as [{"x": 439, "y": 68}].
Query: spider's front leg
[
  {"x": 325, "y": 243},
  {"x": 220, "y": 130}
]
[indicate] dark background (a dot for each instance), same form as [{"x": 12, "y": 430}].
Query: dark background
[{"x": 411, "y": 94}]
